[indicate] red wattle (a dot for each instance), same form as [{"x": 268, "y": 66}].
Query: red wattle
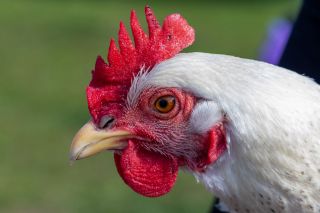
[{"x": 147, "y": 173}]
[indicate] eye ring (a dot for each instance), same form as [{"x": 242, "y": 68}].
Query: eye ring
[{"x": 165, "y": 104}]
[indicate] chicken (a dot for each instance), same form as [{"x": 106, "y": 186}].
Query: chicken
[{"x": 248, "y": 130}]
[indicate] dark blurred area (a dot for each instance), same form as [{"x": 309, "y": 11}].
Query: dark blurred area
[
  {"x": 302, "y": 52},
  {"x": 47, "y": 51}
]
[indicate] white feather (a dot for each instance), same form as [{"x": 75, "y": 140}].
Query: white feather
[{"x": 204, "y": 116}]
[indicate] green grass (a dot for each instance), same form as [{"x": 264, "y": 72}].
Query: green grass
[{"x": 47, "y": 49}]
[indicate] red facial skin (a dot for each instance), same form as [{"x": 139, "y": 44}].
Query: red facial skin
[
  {"x": 163, "y": 132},
  {"x": 162, "y": 142}
]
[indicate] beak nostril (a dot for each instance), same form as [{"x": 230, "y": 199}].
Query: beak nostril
[{"x": 106, "y": 122}]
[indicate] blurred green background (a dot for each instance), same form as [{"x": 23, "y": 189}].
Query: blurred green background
[{"x": 47, "y": 50}]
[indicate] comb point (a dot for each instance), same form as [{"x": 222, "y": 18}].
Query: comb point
[
  {"x": 153, "y": 24},
  {"x": 114, "y": 56},
  {"x": 125, "y": 43},
  {"x": 139, "y": 36}
]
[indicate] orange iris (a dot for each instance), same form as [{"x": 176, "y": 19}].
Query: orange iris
[{"x": 165, "y": 104}]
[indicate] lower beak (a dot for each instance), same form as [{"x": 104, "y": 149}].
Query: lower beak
[{"x": 89, "y": 141}]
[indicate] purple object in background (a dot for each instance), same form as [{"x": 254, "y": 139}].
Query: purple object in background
[{"x": 277, "y": 37}]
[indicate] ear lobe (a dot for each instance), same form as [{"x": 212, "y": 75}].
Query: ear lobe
[{"x": 216, "y": 144}]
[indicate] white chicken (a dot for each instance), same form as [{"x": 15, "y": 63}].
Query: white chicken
[{"x": 248, "y": 130}]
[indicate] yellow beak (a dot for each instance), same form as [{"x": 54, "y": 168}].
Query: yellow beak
[{"x": 89, "y": 141}]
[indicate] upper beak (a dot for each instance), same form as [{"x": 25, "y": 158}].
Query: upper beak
[{"x": 89, "y": 141}]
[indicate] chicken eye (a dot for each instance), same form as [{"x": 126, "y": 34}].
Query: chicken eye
[{"x": 165, "y": 104}]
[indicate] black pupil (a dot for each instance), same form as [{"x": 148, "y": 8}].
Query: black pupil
[{"x": 163, "y": 103}]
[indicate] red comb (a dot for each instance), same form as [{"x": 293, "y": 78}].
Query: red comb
[{"x": 110, "y": 82}]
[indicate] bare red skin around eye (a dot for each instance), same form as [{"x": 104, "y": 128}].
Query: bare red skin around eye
[{"x": 149, "y": 165}]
